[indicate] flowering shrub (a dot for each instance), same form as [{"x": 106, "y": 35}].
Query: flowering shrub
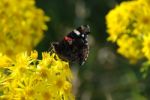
[
  {"x": 27, "y": 78},
  {"x": 21, "y": 26},
  {"x": 23, "y": 76},
  {"x": 128, "y": 25}
]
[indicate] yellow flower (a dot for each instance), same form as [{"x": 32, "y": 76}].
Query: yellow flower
[
  {"x": 4, "y": 61},
  {"x": 21, "y": 66},
  {"x": 33, "y": 79},
  {"x": 119, "y": 20},
  {"x": 130, "y": 48},
  {"x": 129, "y": 28},
  {"x": 34, "y": 54},
  {"x": 18, "y": 29}
]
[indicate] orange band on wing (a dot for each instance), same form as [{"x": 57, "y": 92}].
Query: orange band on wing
[{"x": 67, "y": 38}]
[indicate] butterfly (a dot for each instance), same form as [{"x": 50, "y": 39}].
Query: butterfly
[{"x": 74, "y": 47}]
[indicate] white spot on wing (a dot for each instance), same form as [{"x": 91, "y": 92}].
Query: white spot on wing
[
  {"x": 76, "y": 31},
  {"x": 82, "y": 35}
]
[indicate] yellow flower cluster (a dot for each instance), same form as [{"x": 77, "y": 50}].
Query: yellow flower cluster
[
  {"x": 21, "y": 26},
  {"x": 128, "y": 24},
  {"x": 27, "y": 78}
]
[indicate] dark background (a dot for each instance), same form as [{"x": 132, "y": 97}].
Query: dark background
[{"x": 106, "y": 75}]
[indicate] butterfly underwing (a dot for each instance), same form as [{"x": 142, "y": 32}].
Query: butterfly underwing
[{"x": 74, "y": 47}]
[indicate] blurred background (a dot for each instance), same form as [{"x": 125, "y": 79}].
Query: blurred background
[{"x": 106, "y": 75}]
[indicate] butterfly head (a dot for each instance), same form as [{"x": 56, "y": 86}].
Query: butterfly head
[{"x": 82, "y": 31}]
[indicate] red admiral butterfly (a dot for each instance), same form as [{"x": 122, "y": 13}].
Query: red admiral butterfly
[{"x": 74, "y": 47}]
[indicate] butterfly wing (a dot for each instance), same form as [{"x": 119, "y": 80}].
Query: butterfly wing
[
  {"x": 83, "y": 54},
  {"x": 82, "y": 50}
]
